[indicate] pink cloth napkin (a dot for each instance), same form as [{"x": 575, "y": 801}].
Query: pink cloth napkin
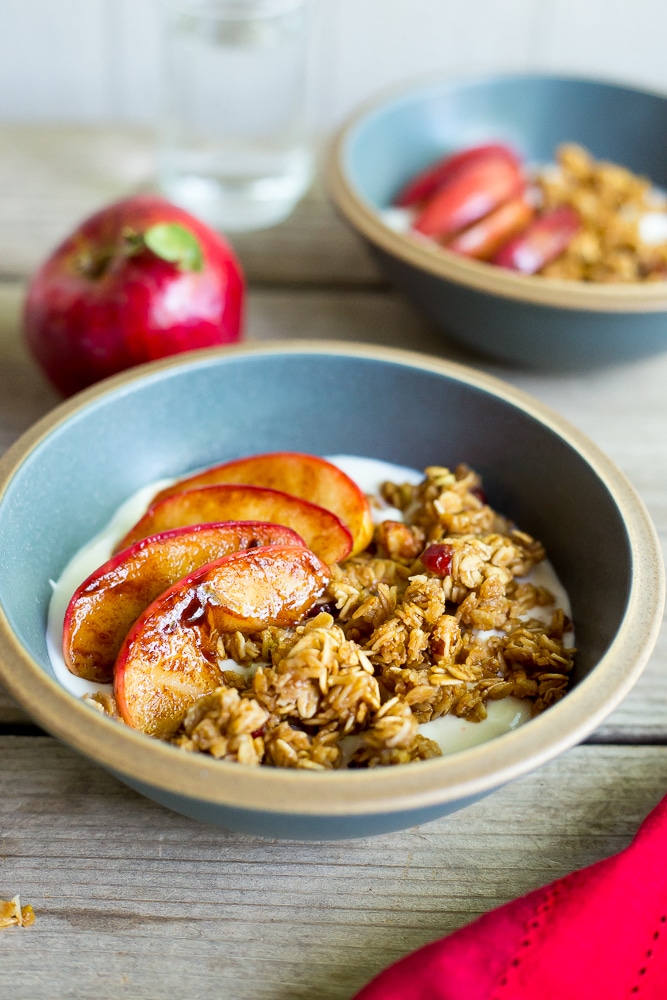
[{"x": 597, "y": 934}]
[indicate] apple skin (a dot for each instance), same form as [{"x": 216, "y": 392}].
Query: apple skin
[{"x": 98, "y": 305}]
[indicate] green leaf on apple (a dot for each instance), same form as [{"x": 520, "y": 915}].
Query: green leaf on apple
[{"x": 173, "y": 242}]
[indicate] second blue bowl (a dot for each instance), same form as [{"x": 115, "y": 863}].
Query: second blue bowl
[{"x": 529, "y": 321}]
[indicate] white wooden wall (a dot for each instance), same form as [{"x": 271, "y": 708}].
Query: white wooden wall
[{"x": 97, "y": 60}]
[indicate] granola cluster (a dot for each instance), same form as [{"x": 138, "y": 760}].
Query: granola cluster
[
  {"x": 611, "y": 201},
  {"x": 400, "y": 638}
]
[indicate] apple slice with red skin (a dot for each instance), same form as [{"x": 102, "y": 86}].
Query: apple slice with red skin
[
  {"x": 541, "y": 242},
  {"x": 107, "y": 604},
  {"x": 306, "y": 476},
  {"x": 484, "y": 238},
  {"x": 472, "y": 193},
  {"x": 320, "y": 529},
  {"x": 428, "y": 181},
  {"x": 169, "y": 659}
]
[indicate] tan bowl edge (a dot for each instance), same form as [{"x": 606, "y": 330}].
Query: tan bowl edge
[
  {"x": 441, "y": 263},
  {"x": 430, "y": 783}
]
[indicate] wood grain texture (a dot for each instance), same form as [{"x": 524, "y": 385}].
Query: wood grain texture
[{"x": 136, "y": 901}]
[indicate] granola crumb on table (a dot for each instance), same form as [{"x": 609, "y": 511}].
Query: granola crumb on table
[
  {"x": 394, "y": 645},
  {"x": 13, "y": 914}
]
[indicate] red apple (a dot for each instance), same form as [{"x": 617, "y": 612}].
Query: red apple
[{"x": 139, "y": 280}]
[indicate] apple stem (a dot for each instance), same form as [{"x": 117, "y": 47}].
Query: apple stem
[
  {"x": 133, "y": 242},
  {"x": 92, "y": 265}
]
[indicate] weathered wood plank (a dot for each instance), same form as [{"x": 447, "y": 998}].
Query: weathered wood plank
[
  {"x": 131, "y": 897},
  {"x": 11, "y": 714},
  {"x": 25, "y": 395}
]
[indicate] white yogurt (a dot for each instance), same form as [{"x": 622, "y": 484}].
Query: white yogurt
[
  {"x": 452, "y": 734},
  {"x": 653, "y": 228},
  {"x": 449, "y": 732}
]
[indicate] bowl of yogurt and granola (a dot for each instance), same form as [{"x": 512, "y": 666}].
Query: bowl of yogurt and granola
[
  {"x": 525, "y": 215},
  {"x": 319, "y": 613}
]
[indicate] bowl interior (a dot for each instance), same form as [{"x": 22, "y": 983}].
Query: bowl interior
[
  {"x": 183, "y": 416},
  {"x": 534, "y": 114}
]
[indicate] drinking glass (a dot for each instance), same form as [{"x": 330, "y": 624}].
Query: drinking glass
[{"x": 235, "y": 144}]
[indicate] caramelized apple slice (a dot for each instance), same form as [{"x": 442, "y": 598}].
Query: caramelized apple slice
[
  {"x": 106, "y": 605},
  {"x": 321, "y": 530},
  {"x": 305, "y": 476},
  {"x": 170, "y": 659}
]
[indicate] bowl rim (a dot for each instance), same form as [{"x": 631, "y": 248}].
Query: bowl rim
[
  {"x": 431, "y": 783},
  {"x": 639, "y": 297}
]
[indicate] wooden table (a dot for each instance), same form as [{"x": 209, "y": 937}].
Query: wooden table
[{"x": 135, "y": 901}]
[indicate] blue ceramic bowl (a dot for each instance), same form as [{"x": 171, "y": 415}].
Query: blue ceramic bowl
[
  {"x": 60, "y": 483},
  {"x": 529, "y": 321}
]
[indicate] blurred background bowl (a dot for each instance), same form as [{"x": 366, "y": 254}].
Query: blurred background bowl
[
  {"x": 62, "y": 481},
  {"x": 528, "y": 321}
]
